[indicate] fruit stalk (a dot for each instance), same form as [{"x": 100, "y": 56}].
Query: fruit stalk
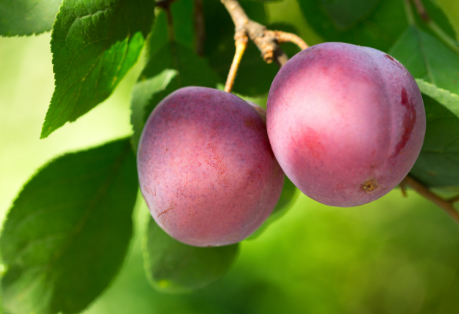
[{"x": 241, "y": 43}]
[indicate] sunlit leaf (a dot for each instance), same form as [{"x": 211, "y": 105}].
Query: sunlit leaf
[
  {"x": 27, "y": 17},
  {"x": 94, "y": 44}
]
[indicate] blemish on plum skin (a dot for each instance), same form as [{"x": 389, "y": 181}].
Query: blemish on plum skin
[
  {"x": 409, "y": 121},
  {"x": 370, "y": 186}
]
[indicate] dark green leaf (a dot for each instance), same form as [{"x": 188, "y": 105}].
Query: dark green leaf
[
  {"x": 27, "y": 17},
  {"x": 346, "y": 13},
  {"x": 94, "y": 45},
  {"x": 438, "y": 163},
  {"x": 378, "y": 27},
  {"x": 428, "y": 58},
  {"x": 67, "y": 233},
  {"x": 172, "y": 67},
  {"x": 287, "y": 199},
  {"x": 175, "y": 267}
]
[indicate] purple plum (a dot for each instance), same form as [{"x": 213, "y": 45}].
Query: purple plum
[
  {"x": 346, "y": 123},
  {"x": 206, "y": 168}
]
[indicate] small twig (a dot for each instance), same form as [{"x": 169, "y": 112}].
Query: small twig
[
  {"x": 265, "y": 40},
  {"x": 283, "y": 37},
  {"x": 453, "y": 44},
  {"x": 199, "y": 27},
  {"x": 446, "y": 205},
  {"x": 241, "y": 43}
]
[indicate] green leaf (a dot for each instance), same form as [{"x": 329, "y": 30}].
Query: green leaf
[
  {"x": 288, "y": 197},
  {"x": 172, "y": 266},
  {"x": 94, "y": 45},
  {"x": 377, "y": 26},
  {"x": 428, "y": 58},
  {"x": 346, "y": 13},
  {"x": 172, "y": 67},
  {"x": 68, "y": 231},
  {"x": 27, "y": 17},
  {"x": 438, "y": 163},
  {"x": 451, "y": 9}
]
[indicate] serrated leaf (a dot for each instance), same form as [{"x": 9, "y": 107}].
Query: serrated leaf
[
  {"x": 451, "y": 10},
  {"x": 27, "y": 17},
  {"x": 155, "y": 83},
  {"x": 94, "y": 44},
  {"x": 68, "y": 231},
  {"x": 346, "y": 13},
  {"x": 288, "y": 197},
  {"x": 438, "y": 162},
  {"x": 172, "y": 266},
  {"x": 428, "y": 58}
]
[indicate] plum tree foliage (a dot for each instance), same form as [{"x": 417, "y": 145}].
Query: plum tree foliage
[{"x": 344, "y": 122}]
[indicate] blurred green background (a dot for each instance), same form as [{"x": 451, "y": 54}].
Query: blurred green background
[{"x": 395, "y": 255}]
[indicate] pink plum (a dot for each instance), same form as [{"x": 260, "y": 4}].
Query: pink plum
[
  {"x": 346, "y": 123},
  {"x": 206, "y": 169}
]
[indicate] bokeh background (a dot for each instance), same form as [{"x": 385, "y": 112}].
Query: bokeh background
[{"x": 395, "y": 255}]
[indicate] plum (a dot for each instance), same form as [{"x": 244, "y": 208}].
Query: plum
[
  {"x": 346, "y": 123},
  {"x": 206, "y": 168}
]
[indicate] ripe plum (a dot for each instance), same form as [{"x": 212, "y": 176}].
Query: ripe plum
[
  {"x": 346, "y": 123},
  {"x": 206, "y": 168}
]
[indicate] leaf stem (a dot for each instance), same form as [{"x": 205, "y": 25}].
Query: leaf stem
[
  {"x": 446, "y": 205},
  {"x": 409, "y": 12},
  {"x": 241, "y": 44},
  {"x": 450, "y": 42},
  {"x": 199, "y": 27}
]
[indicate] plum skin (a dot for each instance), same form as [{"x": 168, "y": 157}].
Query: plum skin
[
  {"x": 206, "y": 169},
  {"x": 346, "y": 123}
]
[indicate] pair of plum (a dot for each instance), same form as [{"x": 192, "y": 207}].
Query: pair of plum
[{"x": 344, "y": 123}]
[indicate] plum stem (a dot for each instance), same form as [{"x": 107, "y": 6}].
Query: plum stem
[
  {"x": 434, "y": 26},
  {"x": 241, "y": 40},
  {"x": 446, "y": 205},
  {"x": 267, "y": 41}
]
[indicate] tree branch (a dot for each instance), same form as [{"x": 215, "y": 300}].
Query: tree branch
[
  {"x": 446, "y": 205},
  {"x": 266, "y": 41}
]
